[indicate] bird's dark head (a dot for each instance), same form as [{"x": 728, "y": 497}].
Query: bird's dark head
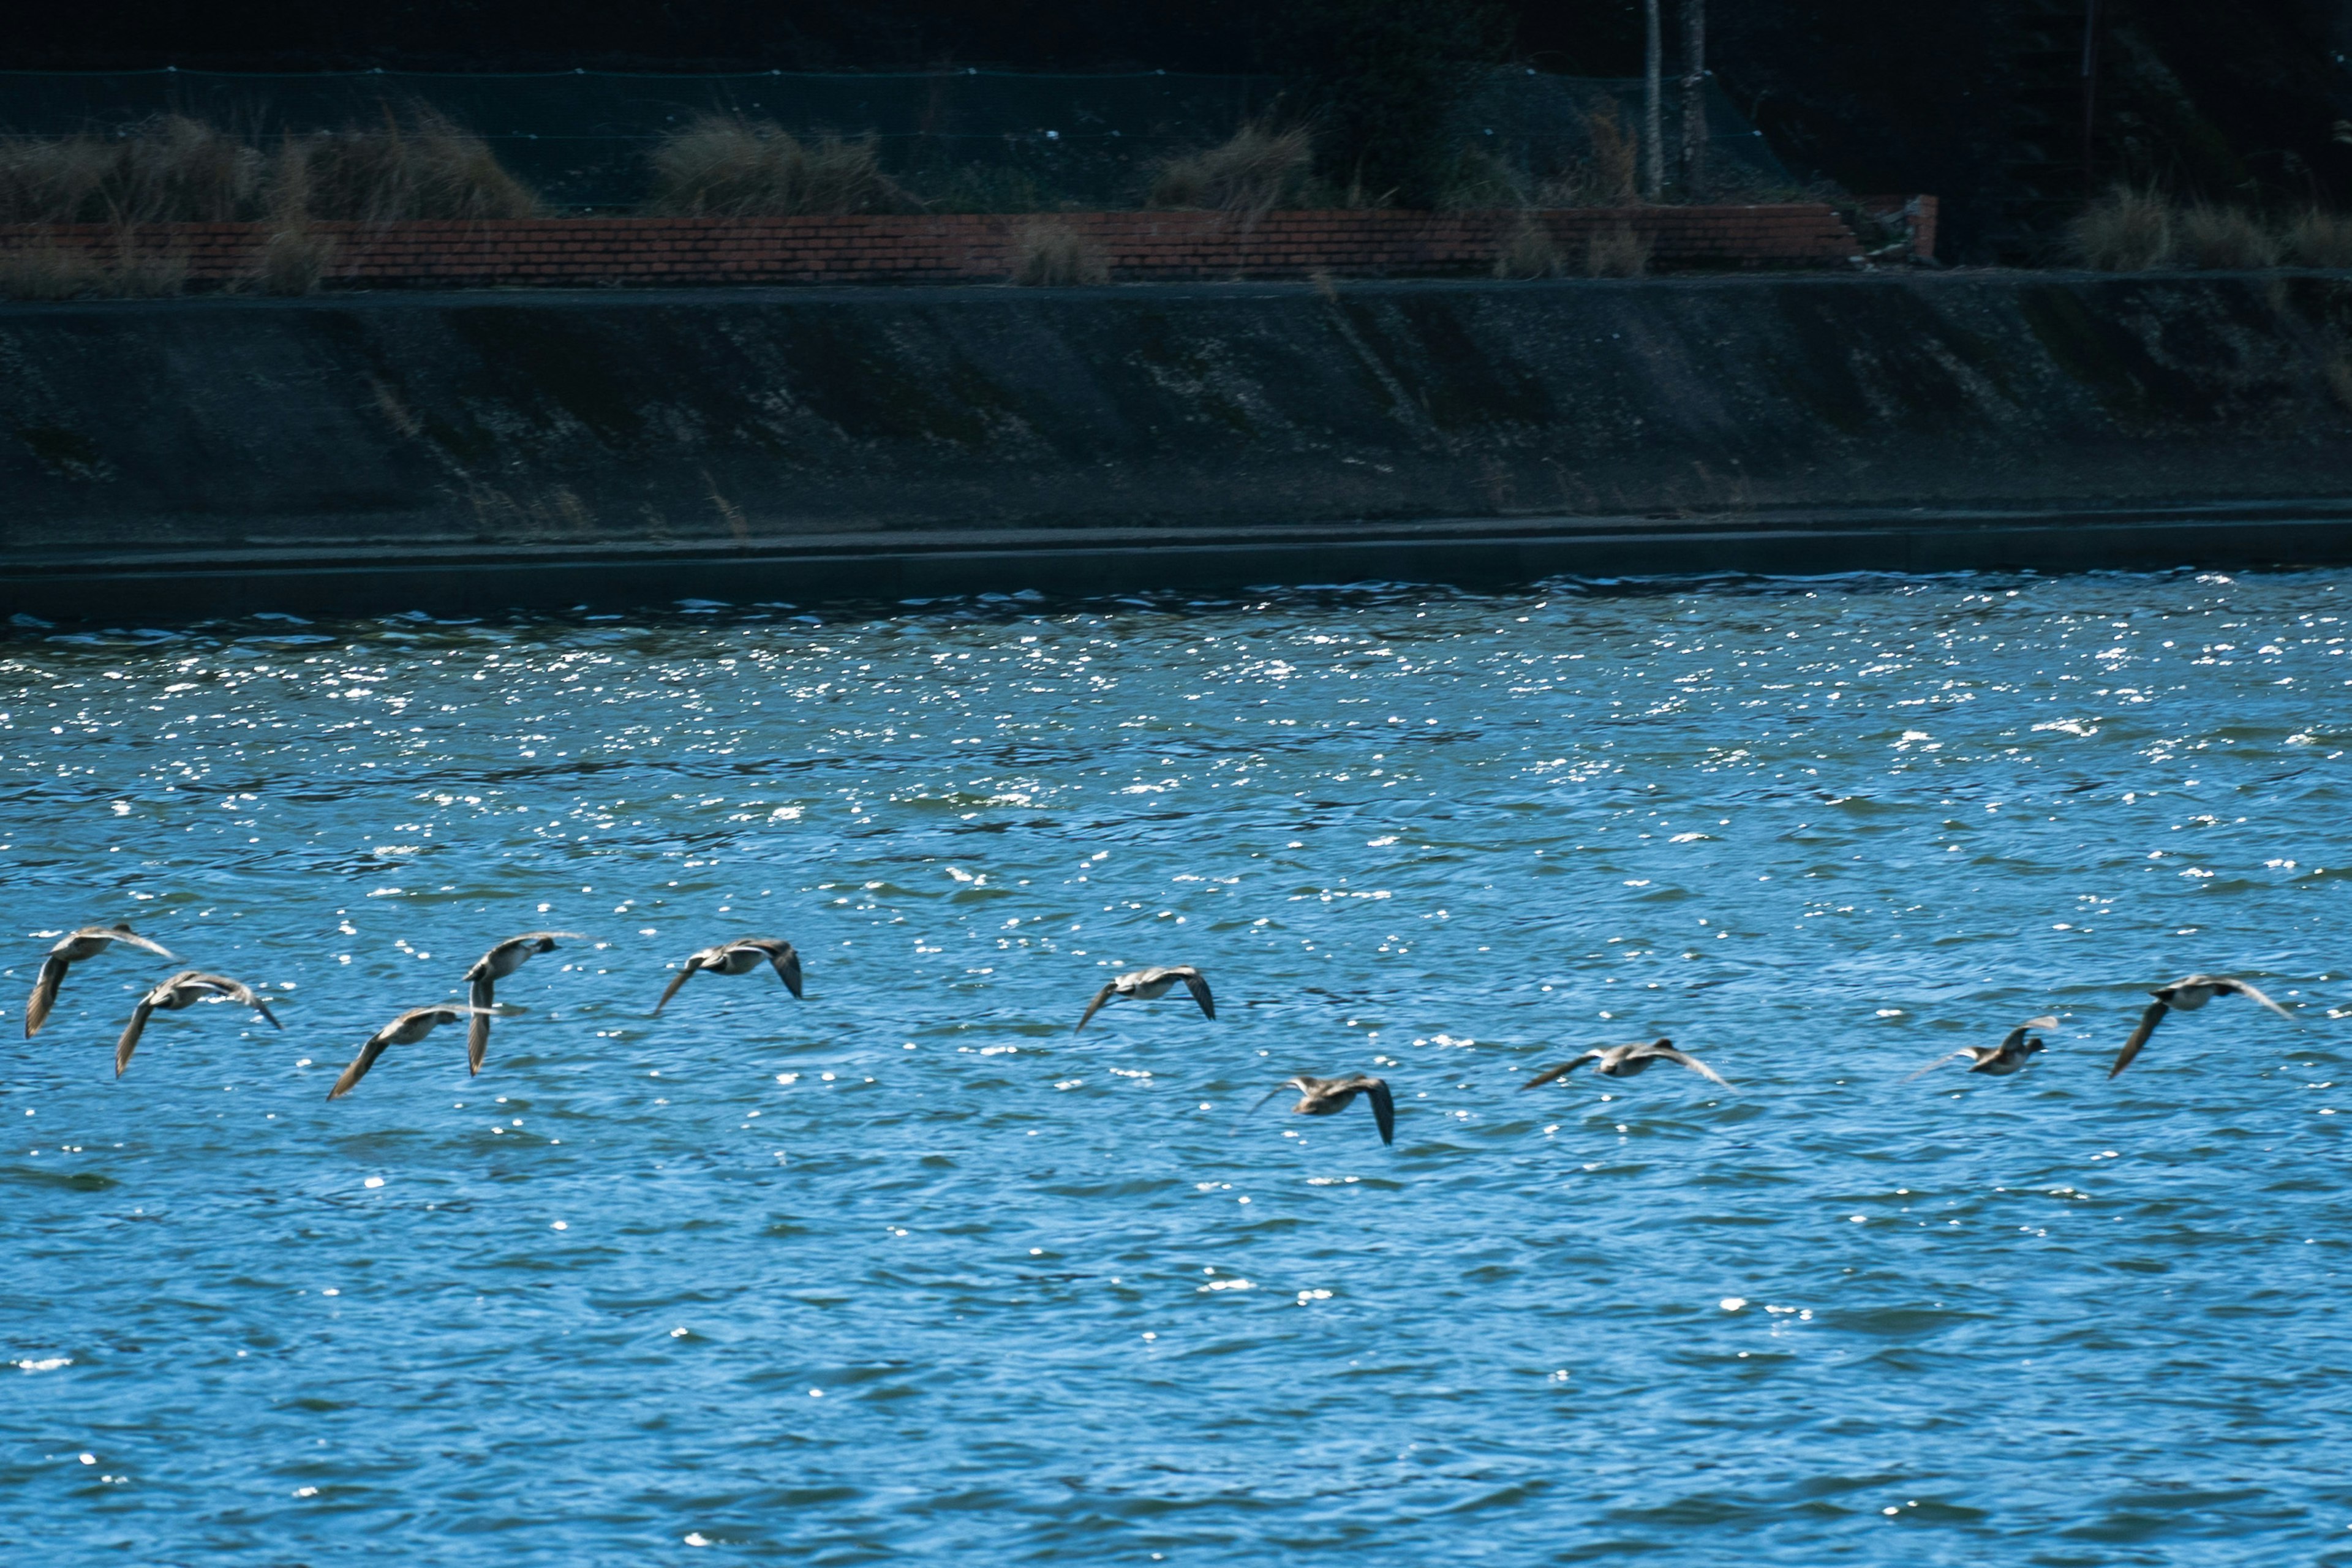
[
  {"x": 544, "y": 944},
  {"x": 2033, "y": 1045},
  {"x": 1662, "y": 1044}
]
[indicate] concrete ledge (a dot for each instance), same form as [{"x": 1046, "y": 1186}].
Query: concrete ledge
[{"x": 124, "y": 587}]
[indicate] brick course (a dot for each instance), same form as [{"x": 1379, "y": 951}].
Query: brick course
[{"x": 946, "y": 247}]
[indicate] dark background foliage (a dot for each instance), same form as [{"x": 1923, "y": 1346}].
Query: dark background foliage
[{"x": 1976, "y": 99}]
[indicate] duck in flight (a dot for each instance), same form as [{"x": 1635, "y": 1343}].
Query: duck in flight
[
  {"x": 185, "y": 989},
  {"x": 1627, "y": 1062},
  {"x": 405, "y": 1030},
  {"x": 87, "y": 942},
  {"x": 2186, "y": 996},
  {"x": 741, "y": 956},
  {"x": 1330, "y": 1096},
  {"x": 2000, "y": 1060},
  {"x": 481, "y": 983},
  {"x": 1151, "y": 985}
]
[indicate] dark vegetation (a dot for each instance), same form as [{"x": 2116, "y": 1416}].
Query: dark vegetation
[{"x": 1980, "y": 101}]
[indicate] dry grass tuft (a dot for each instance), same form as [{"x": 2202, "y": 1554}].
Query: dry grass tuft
[
  {"x": 49, "y": 270},
  {"x": 1479, "y": 181},
  {"x": 2223, "y": 238},
  {"x": 294, "y": 261},
  {"x": 171, "y": 169},
  {"x": 2125, "y": 230},
  {"x": 1257, "y": 170},
  {"x": 724, "y": 165},
  {"x": 1617, "y": 251},
  {"x": 177, "y": 170},
  {"x": 2316, "y": 238},
  {"x": 1528, "y": 251},
  {"x": 1050, "y": 253},
  {"x": 2339, "y": 381},
  {"x": 1611, "y": 176},
  {"x": 424, "y": 168}
]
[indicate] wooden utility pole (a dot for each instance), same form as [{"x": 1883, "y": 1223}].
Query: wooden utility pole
[
  {"x": 2090, "y": 92},
  {"x": 1653, "y": 132},
  {"x": 1694, "y": 99}
]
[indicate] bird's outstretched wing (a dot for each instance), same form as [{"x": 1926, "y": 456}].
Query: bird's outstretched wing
[
  {"x": 2148, "y": 1023},
  {"x": 229, "y": 990},
  {"x": 479, "y": 995},
  {"x": 1939, "y": 1061},
  {"x": 124, "y": 934},
  {"x": 2251, "y": 994},
  {"x": 130, "y": 1033},
  {"x": 684, "y": 971},
  {"x": 787, "y": 962},
  {"x": 2016, "y": 1036},
  {"x": 1562, "y": 1070},
  {"x": 45, "y": 994},
  {"x": 1095, "y": 1007},
  {"x": 1383, "y": 1108},
  {"x": 359, "y": 1065},
  {"x": 1690, "y": 1061},
  {"x": 1198, "y": 984},
  {"x": 1260, "y": 1103}
]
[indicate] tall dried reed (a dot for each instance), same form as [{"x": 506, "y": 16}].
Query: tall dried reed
[
  {"x": 1253, "y": 171},
  {"x": 724, "y": 165}
]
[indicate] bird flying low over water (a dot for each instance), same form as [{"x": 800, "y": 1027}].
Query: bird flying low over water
[
  {"x": 741, "y": 956},
  {"x": 2186, "y": 996},
  {"x": 87, "y": 942},
  {"x": 1627, "y": 1062},
  {"x": 481, "y": 983},
  {"x": 2000, "y": 1060},
  {"x": 405, "y": 1030},
  {"x": 1330, "y": 1096},
  {"x": 185, "y": 989},
  {"x": 1151, "y": 985}
]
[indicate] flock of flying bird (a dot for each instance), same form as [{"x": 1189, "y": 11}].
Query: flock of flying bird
[{"x": 1318, "y": 1096}]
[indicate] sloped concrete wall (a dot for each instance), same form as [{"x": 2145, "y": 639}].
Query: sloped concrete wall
[{"x": 208, "y": 448}]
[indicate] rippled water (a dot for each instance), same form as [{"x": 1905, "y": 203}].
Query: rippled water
[{"x": 908, "y": 1270}]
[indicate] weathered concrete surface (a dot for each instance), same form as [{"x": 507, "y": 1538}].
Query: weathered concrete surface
[{"x": 210, "y": 455}]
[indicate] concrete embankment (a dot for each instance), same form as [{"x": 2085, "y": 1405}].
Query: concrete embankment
[{"x": 472, "y": 451}]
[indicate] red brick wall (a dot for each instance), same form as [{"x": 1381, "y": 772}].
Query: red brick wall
[{"x": 956, "y": 248}]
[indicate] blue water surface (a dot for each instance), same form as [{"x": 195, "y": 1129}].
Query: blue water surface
[{"x": 909, "y": 1272}]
